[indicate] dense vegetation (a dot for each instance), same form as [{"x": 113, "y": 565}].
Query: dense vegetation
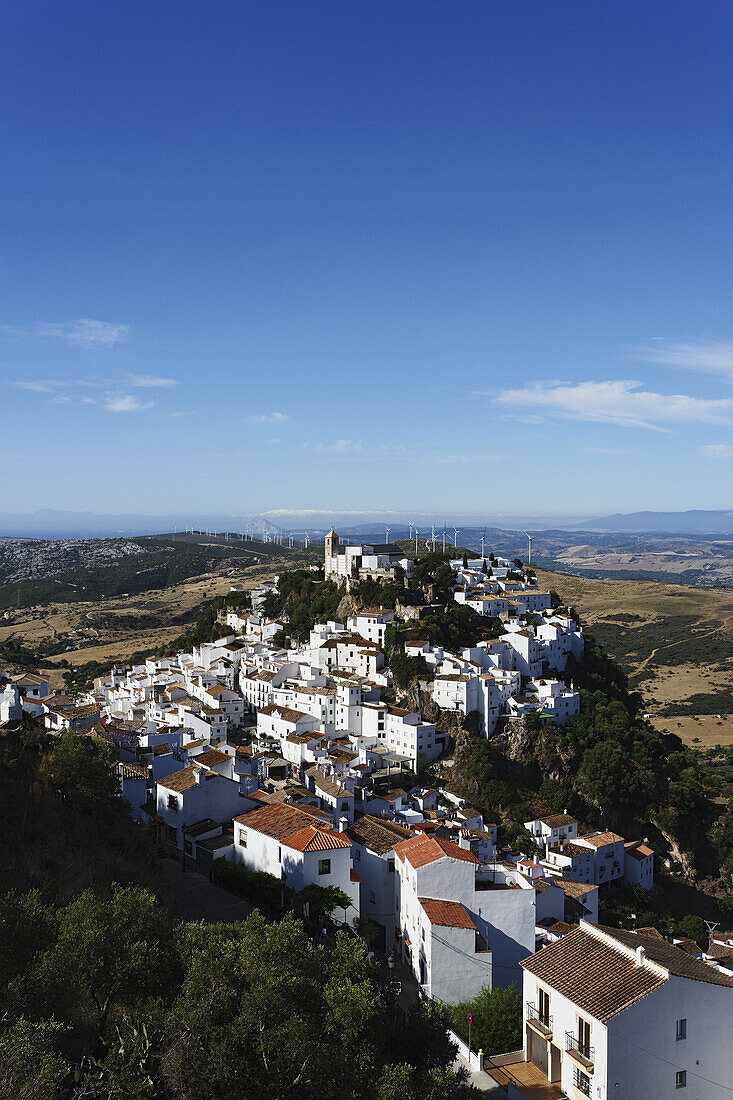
[
  {"x": 496, "y": 1024},
  {"x": 104, "y": 993}
]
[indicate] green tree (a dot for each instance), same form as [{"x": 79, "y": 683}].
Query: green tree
[
  {"x": 81, "y": 769},
  {"x": 109, "y": 954},
  {"x": 30, "y": 1066},
  {"x": 497, "y": 1020}
]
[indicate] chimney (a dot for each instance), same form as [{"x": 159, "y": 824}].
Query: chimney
[
  {"x": 640, "y": 955},
  {"x": 343, "y": 824},
  {"x": 565, "y": 811},
  {"x": 547, "y": 849}
]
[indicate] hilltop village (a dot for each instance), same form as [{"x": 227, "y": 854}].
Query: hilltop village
[{"x": 282, "y": 753}]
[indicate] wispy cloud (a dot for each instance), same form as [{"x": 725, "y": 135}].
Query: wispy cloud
[
  {"x": 619, "y": 402},
  {"x": 125, "y": 403},
  {"x": 83, "y": 332},
  {"x": 708, "y": 356},
  {"x": 270, "y": 418},
  {"x": 718, "y": 450},
  {"x": 150, "y": 381},
  {"x": 178, "y": 413},
  {"x": 340, "y": 446},
  {"x": 48, "y": 385}
]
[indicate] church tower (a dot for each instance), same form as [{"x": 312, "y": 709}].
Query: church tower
[{"x": 332, "y": 549}]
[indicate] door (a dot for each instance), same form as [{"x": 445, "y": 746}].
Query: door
[
  {"x": 537, "y": 1051},
  {"x": 555, "y": 1063}
]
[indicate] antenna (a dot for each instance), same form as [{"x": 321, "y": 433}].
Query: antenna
[{"x": 529, "y": 540}]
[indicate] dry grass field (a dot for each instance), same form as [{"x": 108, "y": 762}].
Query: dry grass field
[{"x": 674, "y": 641}]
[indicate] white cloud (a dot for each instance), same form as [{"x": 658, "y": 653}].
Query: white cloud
[
  {"x": 619, "y": 402},
  {"x": 341, "y": 446},
  {"x": 42, "y": 386},
  {"x": 150, "y": 381},
  {"x": 83, "y": 332},
  {"x": 708, "y": 356},
  {"x": 125, "y": 403},
  {"x": 179, "y": 413},
  {"x": 718, "y": 450},
  {"x": 270, "y": 418}
]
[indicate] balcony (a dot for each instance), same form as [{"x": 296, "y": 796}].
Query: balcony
[
  {"x": 542, "y": 1024},
  {"x": 583, "y": 1053}
]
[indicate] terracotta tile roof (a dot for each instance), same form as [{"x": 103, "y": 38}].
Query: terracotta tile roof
[
  {"x": 313, "y": 839},
  {"x": 285, "y": 822},
  {"x": 670, "y": 957},
  {"x": 211, "y": 757},
  {"x": 286, "y": 713},
  {"x": 558, "y": 821},
  {"x": 594, "y": 974},
  {"x": 599, "y": 840},
  {"x": 180, "y": 781},
  {"x": 423, "y": 849},
  {"x": 572, "y": 888},
  {"x": 638, "y": 851},
  {"x": 448, "y": 914},
  {"x": 375, "y": 833}
]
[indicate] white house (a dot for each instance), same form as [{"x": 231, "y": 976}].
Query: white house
[
  {"x": 615, "y": 1014},
  {"x": 285, "y": 841},
  {"x": 195, "y": 794},
  {"x": 638, "y": 864},
  {"x": 553, "y": 829}
]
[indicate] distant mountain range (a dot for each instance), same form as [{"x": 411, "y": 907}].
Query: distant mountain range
[
  {"x": 696, "y": 522},
  {"x": 50, "y": 523}
]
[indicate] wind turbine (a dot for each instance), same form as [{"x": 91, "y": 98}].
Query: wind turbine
[
  {"x": 411, "y": 527},
  {"x": 455, "y": 537},
  {"x": 433, "y": 538},
  {"x": 483, "y": 540},
  {"x": 416, "y": 534},
  {"x": 444, "y": 537},
  {"x": 306, "y": 540},
  {"x": 529, "y": 540},
  {"x": 387, "y": 536}
]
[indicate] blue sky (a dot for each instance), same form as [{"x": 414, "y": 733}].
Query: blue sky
[{"x": 448, "y": 256}]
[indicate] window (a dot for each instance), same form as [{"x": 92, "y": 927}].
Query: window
[
  {"x": 584, "y": 1037},
  {"x": 324, "y": 866},
  {"x": 173, "y": 802},
  {"x": 279, "y": 855},
  {"x": 390, "y": 866},
  {"x": 680, "y": 1080},
  {"x": 171, "y": 834},
  {"x": 581, "y": 1082},
  {"x": 242, "y": 838},
  {"x": 357, "y": 853},
  {"x": 544, "y": 1005},
  {"x": 682, "y": 1029}
]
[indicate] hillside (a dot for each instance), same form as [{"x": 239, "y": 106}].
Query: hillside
[
  {"x": 105, "y": 599},
  {"x": 675, "y": 642}
]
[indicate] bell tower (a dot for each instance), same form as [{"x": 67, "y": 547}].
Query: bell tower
[{"x": 332, "y": 549}]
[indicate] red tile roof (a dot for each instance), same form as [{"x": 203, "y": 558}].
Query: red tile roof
[
  {"x": 448, "y": 914},
  {"x": 423, "y": 849}
]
